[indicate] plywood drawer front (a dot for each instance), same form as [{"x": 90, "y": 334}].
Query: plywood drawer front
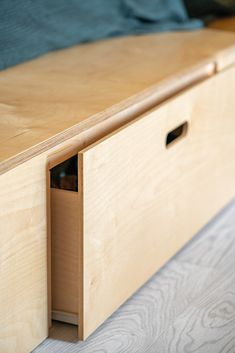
[{"x": 141, "y": 201}]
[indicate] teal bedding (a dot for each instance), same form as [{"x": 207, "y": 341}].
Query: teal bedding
[{"x": 29, "y": 28}]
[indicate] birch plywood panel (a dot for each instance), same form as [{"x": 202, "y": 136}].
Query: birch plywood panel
[
  {"x": 23, "y": 258},
  {"x": 137, "y": 197},
  {"x": 64, "y": 240},
  {"x": 24, "y": 291},
  {"x": 146, "y": 321},
  {"x": 49, "y": 100}
]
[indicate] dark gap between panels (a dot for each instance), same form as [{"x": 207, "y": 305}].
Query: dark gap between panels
[{"x": 65, "y": 175}]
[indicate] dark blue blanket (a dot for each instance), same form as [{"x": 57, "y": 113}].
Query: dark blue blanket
[{"x": 29, "y": 28}]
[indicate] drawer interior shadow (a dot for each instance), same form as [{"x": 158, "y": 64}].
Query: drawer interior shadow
[
  {"x": 65, "y": 175},
  {"x": 64, "y": 240}
]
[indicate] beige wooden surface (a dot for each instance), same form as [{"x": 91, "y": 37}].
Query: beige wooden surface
[
  {"x": 140, "y": 202},
  {"x": 23, "y": 263},
  {"x": 49, "y": 100},
  {"x": 187, "y": 306},
  {"x": 24, "y": 246},
  {"x": 35, "y": 110},
  {"x": 64, "y": 240}
]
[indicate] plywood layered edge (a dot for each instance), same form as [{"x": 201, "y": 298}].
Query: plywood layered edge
[
  {"x": 119, "y": 114},
  {"x": 199, "y": 55}
]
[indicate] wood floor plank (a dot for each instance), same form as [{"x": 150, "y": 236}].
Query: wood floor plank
[
  {"x": 144, "y": 316},
  {"x": 214, "y": 244},
  {"x": 188, "y": 306},
  {"x": 208, "y": 325}
]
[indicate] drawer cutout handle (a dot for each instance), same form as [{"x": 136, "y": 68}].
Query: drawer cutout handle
[{"x": 176, "y": 134}]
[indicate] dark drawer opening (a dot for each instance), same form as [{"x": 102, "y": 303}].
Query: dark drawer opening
[
  {"x": 65, "y": 175},
  {"x": 64, "y": 240}
]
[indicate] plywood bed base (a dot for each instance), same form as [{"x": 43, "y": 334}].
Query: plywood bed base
[{"x": 150, "y": 121}]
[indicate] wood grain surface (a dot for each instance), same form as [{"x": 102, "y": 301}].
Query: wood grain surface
[
  {"x": 64, "y": 250},
  {"x": 23, "y": 258},
  {"x": 131, "y": 184},
  {"x": 188, "y": 306},
  {"x": 53, "y": 98}
]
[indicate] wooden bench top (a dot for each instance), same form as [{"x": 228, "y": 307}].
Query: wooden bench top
[{"x": 48, "y": 100}]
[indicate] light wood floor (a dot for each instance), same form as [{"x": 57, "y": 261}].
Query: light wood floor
[{"x": 188, "y": 306}]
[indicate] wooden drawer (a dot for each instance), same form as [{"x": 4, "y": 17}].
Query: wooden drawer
[{"x": 140, "y": 199}]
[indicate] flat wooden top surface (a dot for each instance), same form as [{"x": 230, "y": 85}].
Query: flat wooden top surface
[{"x": 51, "y": 98}]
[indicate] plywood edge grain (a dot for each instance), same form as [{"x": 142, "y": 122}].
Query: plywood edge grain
[
  {"x": 115, "y": 116},
  {"x": 48, "y": 225},
  {"x": 81, "y": 274}
]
